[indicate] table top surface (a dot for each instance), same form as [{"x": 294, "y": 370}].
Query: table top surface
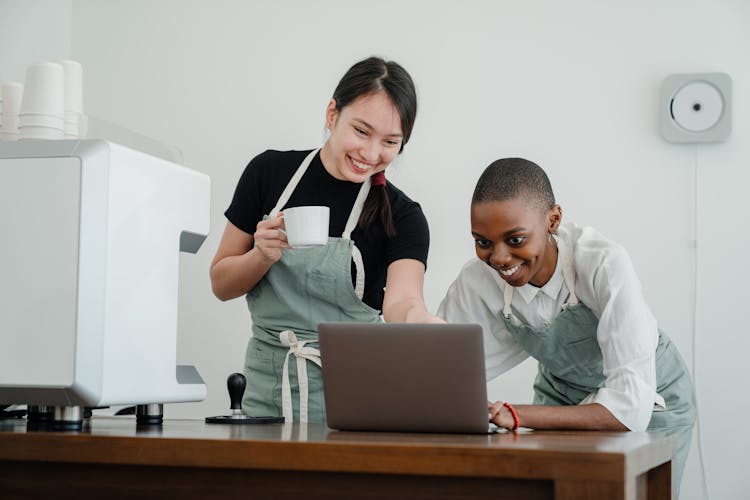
[
  {"x": 562, "y": 441},
  {"x": 571, "y": 442},
  {"x": 314, "y": 447}
]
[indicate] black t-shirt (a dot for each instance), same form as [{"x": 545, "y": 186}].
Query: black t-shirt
[{"x": 267, "y": 175}]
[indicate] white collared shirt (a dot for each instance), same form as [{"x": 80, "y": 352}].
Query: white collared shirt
[{"x": 607, "y": 284}]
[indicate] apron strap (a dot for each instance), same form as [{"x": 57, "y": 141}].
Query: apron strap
[
  {"x": 569, "y": 275},
  {"x": 302, "y": 353},
  {"x": 289, "y": 189},
  {"x": 507, "y": 299},
  {"x": 351, "y": 223},
  {"x": 359, "y": 203},
  {"x": 359, "y": 265}
]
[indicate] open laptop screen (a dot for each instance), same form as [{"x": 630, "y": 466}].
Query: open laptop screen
[{"x": 404, "y": 377}]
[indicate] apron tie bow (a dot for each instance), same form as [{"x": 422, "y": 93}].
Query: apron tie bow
[{"x": 302, "y": 353}]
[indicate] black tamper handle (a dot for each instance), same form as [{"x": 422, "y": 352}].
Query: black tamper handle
[{"x": 236, "y": 387}]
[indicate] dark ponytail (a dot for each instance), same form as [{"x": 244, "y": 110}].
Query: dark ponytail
[
  {"x": 378, "y": 207},
  {"x": 367, "y": 77}
]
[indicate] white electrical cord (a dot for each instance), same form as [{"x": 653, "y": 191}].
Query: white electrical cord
[{"x": 695, "y": 316}]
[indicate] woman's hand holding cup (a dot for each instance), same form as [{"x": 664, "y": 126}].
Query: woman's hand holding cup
[{"x": 270, "y": 238}]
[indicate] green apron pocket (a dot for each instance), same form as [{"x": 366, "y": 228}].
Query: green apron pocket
[
  {"x": 322, "y": 291},
  {"x": 263, "y": 390}
]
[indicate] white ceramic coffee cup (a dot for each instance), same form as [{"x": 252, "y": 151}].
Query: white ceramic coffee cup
[{"x": 306, "y": 226}]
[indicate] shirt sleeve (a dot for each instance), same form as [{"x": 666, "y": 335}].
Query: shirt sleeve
[
  {"x": 412, "y": 240},
  {"x": 246, "y": 208},
  {"x": 476, "y": 296},
  {"x": 627, "y": 334}
]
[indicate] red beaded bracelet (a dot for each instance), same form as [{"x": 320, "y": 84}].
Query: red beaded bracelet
[{"x": 515, "y": 416}]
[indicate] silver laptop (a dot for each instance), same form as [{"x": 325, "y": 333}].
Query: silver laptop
[{"x": 404, "y": 377}]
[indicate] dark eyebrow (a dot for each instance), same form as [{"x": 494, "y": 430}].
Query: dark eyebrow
[
  {"x": 373, "y": 128},
  {"x": 518, "y": 229},
  {"x": 506, "y": 234}
]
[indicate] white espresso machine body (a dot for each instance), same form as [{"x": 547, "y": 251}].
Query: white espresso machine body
[{"x": 91, "y": 234}]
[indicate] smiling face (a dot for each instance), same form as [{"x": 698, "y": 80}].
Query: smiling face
[
  {"x": 513, "y": 237},
  {"x": 365, "y": 137}
]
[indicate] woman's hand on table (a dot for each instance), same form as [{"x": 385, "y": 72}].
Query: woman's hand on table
[{"x": 500, "y": 415}]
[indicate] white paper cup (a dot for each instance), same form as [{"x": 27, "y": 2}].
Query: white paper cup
[
  {"x": 72, "y": 116},
  {"x": 72, "y": 130},
  {"x": 10, "y": 124},
  {"x": 306, "y": 226},
  {"x": 44, "y": 89},
  {"x": 72, "y": 124},
  {"x": 8, "y": 137},
  {"x": 12, "y": 94},
  {"x": 83, "y": 126},
  {"x": 40, "y": 133},
  {"x": 30, "y": 120},
  {"x": 73, "y": 85}
]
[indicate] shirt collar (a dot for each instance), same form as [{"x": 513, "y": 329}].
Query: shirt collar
[{"x": 552, "y": 288}]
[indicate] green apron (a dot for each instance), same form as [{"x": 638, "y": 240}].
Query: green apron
[
  {"x": 570, "y": 366},
  {"x": 306, "y": 287}
]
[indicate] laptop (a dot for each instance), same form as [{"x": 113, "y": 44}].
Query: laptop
[{"x": 404, "y": 377}]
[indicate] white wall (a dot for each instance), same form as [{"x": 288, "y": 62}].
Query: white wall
[
  {"x": 31, "y": 31},
  {"x": 571, "y": 85}
]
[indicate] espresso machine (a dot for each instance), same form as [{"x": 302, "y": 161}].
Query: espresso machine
[{"x": 91, "y": 232}]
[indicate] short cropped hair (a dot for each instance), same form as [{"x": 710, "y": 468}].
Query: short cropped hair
[{"x": 509, "y": 178}]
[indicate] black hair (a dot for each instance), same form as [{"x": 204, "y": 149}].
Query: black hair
[
  {"x": 512, "y": 178},
  {"x": 370, "y": 76}
]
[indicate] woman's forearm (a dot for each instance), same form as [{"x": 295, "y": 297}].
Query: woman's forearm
[
  {"x": 593, "y": 417},
  {"x": 235, "y": 275},
  {"x": 404, "y": 300}
]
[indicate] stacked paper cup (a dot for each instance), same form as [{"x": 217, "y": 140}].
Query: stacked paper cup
[
  {"x": 73, "y": 108},
  {"x": 43, "y": 102},
  {"x": 52, "y": 104},
  {"x": 10, "y": 93}
]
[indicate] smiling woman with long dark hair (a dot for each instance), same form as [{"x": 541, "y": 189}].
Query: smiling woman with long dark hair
[{"x": 376, "y": 253}]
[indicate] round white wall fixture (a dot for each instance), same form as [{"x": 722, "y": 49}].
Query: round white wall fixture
[{"x": 696, "y": 107}]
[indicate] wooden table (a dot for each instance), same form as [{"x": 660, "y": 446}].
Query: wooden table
[{"x": 189, "y": 459}]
